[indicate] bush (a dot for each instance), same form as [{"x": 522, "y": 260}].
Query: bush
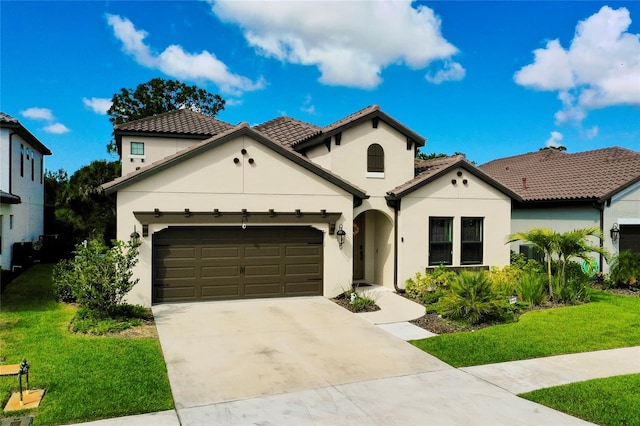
[
  {"x": 98, "y": 277},
  {"x": 576, "y": 288},
  {"x": 420, "y": 285},
  {"x": 625, "y": 269},
  {"x": 472, "y": 299},
  {"x": 504, "y": 280},
  {"x": 531, "y": 286},
  {"x": 443, "y": 276}
]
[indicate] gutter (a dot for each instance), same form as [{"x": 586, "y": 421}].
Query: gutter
[{"x": 395, "y": 203}]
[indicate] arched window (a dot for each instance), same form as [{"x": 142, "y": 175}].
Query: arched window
[{"x": 375, "y": 159}]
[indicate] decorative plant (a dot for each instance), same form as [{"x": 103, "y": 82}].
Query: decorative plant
[{"x": 625, "y": 269}]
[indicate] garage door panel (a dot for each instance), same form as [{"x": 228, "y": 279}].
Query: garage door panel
[
  {"x": 208, "y": 252},
  {"x": 216, "y": 263}
]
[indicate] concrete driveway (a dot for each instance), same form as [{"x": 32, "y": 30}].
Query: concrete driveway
[{"x": 306, "y": 361}]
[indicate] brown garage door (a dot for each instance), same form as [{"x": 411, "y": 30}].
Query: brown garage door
[
  {"x": 217, "y": 263},
  {"x": 630, "y": 238}
]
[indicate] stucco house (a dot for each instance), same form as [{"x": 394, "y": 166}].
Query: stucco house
[
  {"x": 565, "y": 191},
  {"x": 21, "y": 189},
  {"x": 287, "y": 208}
]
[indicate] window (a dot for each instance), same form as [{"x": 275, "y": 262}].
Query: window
[
  {"x": 137, "y": 148},
  {"x": 471, "y": 241},
  {"x": 41, "y": 168},
  {"x": 33, "y": 169},
  {"x": 440, "y": 240},
  {"x": 375, "y": 159},
  {"x": 21, "y": 160},
  {"x": 10, "y": 221}
]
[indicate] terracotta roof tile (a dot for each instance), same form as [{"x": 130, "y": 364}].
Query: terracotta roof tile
[
  {"x": 287, "y": 131},
  {"x": 351, "y": 117},
  {"x": 7, "y": 121},
  {"x": 183, "y": 121},
  {"x": 427, "y": 169},
  {"x": 550, "y": 175}
]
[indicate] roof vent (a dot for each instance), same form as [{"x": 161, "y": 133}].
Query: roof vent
[{"x": 524, "y": 183}]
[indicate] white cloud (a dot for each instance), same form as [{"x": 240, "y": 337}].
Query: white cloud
[
  {"x": 452, "y": 71},
  {"x": 308, "y": 106},
  {"x": 57, "y": 128},
  {"x": 177, "y": 63},
  {"x": 592, "y": 132},
  {"x": 555, "y": 140},
  {"x": 97, "y": 105},
  {"x": 38, "y": 114},
  {"x": 601, "y": 67},
  {"x": 349, "y": 42}
]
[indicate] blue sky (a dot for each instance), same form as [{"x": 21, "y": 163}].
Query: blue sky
[{"x": 490, "y": 79}]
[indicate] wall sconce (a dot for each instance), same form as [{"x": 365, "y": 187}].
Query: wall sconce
[
  {"x": 340, "y": 236},
  {"x": 243, "y": 224},
  {"x": 135, "y": 236},
  {"x": 615, "y": 232}
]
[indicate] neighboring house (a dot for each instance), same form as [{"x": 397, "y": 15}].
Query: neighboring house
[
  {"x": 565, "y": 191},
  {"x": 21, "y": 188},
  {"x": 286, "y": 208}
]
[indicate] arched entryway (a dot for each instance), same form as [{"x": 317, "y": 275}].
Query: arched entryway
[{"x": 373, "y": 248}]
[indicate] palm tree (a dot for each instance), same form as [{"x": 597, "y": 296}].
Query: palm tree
[
  {"x": 544, "y": 239},
  {"x": 576, "y": 244}
]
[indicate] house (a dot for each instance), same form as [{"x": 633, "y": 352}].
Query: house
[
  {"x": 287, "y": 208},
  {"x": 564, "y": 191},
  {"x": 21, "y": 191}
]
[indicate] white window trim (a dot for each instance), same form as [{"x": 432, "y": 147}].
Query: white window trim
[{"x": 375, "y": 175}]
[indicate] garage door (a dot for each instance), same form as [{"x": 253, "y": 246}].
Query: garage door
[{"x": 219, "y": 263}]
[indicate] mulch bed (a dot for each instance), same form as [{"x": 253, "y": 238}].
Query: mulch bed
[{"x": 346, "y": 303}]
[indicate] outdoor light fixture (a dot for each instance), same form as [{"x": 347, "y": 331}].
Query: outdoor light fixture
[
  {"x": 615, "y": 232},
  {"x": 244, "y": 222},
  {"x": 134, "y": 235},
  {"x": 340, "y": 235}
]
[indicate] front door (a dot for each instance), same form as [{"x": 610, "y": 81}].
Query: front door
[{"x": 358, "y": 248}]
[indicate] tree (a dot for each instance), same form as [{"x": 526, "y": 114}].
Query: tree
[
  {"x": 422, "y": 156},
  {"x": 576, "y": 244},
  {"x": 158, "y": 96},
  {"x": 81, "y": 210},
  {"x": 556, "y": 148},
  {"x": 544, "y": 239}
]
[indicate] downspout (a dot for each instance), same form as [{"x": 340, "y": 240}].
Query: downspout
[
  {"x": 600, "y": 208},
  {"x": 395, "y": 203},
  {"x": 11, "y": 161}
]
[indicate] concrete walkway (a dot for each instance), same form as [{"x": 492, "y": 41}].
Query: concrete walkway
[{"x": 486, "y": 392}]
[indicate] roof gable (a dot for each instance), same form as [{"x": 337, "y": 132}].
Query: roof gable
[
  {"x": 287, "y": 131},
  {"x": 9, "y": 122},
  {"x": 372, "y": 112},
  {"x": 430, "y": 170},
  {"x": 551, "y": 175},
  {"x": 242, "y": 129}
]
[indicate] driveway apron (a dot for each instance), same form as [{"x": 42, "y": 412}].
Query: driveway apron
[{"x": 226, "y": 351}]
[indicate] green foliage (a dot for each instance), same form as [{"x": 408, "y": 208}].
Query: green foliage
[
  {"x": 530, "y": 287},
  {"x": 625, "y": 269},
  {"x": 124, "y": 316},
  {"x": 443, "y": 276},
  {"x": 158, "y": 96},
  {"x": 362, "y": 302},
  {"x": 609, "y": 321},
  {"x": 504, "y": 280},
  {"x": 420, "y": 285},
  {"x": 472, "y": 299},
  {"x": 520, "y": 261},
  {"x": 81, "y": 210},
  {"x": 98, "y": 277}
]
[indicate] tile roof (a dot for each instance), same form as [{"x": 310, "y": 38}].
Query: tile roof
[
  {"x": 287, "y": 131},
  {"x": 183, "y": 121},
  {"x": 551, "y": 175},
  {"x": 9, "y": 122},
  {"x": 427, "y": 169},
  {"x": 242, "y": 128}
]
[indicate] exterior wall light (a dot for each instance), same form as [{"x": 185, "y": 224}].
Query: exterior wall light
[
  {"x": 340, "y": 235},
  {"x": 615, "y": 232},
  {"x": 135, "y": 236}
]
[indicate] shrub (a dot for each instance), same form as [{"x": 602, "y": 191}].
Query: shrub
[
  {"x": 575, "y": 289},
  {"x": 98, "y": 277},
  {"x": 625, "y": 269},
  {"x": 472, "y": 298},
  {"x": 531, "y": 286},
  {"x": 420, "y": 285},
  {"x": 443, "y": 276},
  {"x": 504, "y": 279}
]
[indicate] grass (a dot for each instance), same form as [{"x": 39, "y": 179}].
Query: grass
[
  {"x": 86, "y": 378},
  {"x": 610, "y": 401},
  {"x": 609, "y": 321}
]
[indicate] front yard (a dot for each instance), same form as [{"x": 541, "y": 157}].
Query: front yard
[{"x": 86, "y": 378}]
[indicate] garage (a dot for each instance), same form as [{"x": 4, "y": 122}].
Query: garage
[
  {"x": 630, "y": 238},
  {"x": 193, "y": 264}
]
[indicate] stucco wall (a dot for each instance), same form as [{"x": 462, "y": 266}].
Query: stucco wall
[
  {"x": 442, "y": 198},
  {"x": 28, "y": 216},
  {"x": 212, "y": 180},
  {"x": 624, "y": 209},
  {"x": 155, "y": 149}
]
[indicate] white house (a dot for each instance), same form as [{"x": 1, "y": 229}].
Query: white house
[
  {"x": 565, "y": 191},
  {"x": 21, "y": 187},
  {"x": 287, "y": 208}
]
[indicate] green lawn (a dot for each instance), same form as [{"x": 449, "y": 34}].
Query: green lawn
[
  {"x": 611, "y": 401},
  {"x": 609, "y": 321},
  {"x": 86, "y": 378}
]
